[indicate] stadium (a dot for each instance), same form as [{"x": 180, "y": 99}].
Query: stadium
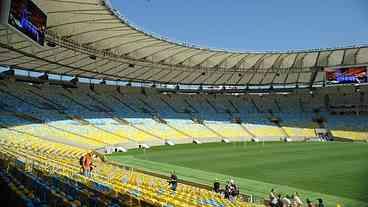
[{"x": 162, "y": 121}]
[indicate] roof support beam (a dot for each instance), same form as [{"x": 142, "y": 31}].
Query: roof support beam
[
  {"x": 185, "y": 49},
  {"x": 185, "y": 77},
  {"x": 98, "y": 30},
  {"x": 94, "y": 21},
  {"x": 123, "y": 69},
  {"x": 271, "y": 69},
  {"x": 196, "y": 78},
  {"x": 47, "y": 64},
  {"x": 314, "y": 73},
  {"x": 303, "y": 55},
  {"x": 130, "y": 34},
  {"x": 256, "y": 66},
  {"x": 150, "y": 77},
  {"x": 231, "y": 76},
  {"x": 111, "y": 68},
  {"x": 207, "y": 58},
  {"x": 134, "y": 71},
  {"x": 225, "y": 59},
  {"x": 218, "y": 78},
  {"x": 190, "y": 57},
  {"x": 63, "y": 51},
  {"x": 238, "y": 64},
  {"x": 147, "y": 46},
  {"x": 161, "y": 50},
  {"x": 97, "y": 63},
  {"x": 356, "y": 56},
  {"x": 78, "y": 11},
  {"x": 144, "y": 39},
  {"x": 140, "y": 72},
  {"x": 73, "y": 69}
]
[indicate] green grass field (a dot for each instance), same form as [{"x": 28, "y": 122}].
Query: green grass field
[{"x": 334, "y": 171}]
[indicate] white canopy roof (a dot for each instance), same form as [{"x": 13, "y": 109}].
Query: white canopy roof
[{"x": 83, "y": 29}]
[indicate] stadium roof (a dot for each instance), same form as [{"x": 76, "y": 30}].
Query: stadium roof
[{"x": 91, "y": 39}]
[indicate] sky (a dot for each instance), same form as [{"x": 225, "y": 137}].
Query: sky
[{"x": 252, "y": 25}]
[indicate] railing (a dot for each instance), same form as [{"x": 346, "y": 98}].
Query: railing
[{"x": 249, "y": 198}]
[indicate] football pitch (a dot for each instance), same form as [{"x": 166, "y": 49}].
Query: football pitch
[{"x": 334, "y": 171}]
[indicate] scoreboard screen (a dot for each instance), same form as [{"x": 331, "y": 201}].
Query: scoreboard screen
[
  {"x": 28, "y": 19},
  {"x": 347, "y": 75}
]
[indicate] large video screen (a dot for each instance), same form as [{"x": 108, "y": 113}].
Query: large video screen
[
  {"x": 3, "y": 12},
  {"x": 347, "y": 75},
  {"x": 30, "y": 20}
]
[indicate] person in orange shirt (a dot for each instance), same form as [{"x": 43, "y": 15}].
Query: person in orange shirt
[{"x": 87, "y": 164}]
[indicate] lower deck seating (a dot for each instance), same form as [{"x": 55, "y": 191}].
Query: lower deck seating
[
  {"x": 266, "y": 131},
  {"x": 196, "y": 131},
  {"x": 57, "y": 179},
  {"x": 229, "y": 130},
  {"x": 57, "y": 134},
  {"x": 300, "y": 132},
  {"x": 162, "y": 130},
  {"x": 298, "y": 125},
  {"x": 352, "y": 127},
  {"x": 354, "y": 135}
]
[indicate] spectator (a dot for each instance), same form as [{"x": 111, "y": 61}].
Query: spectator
[
  {"x": 273, "y": 199},
  {"x": 216, "y": 186},
  {"x": 286, "y": 201},
  {"x": 92, "y": 166},
  {"x": 296, "y": 200},
  {"x": 234, "y": 189},
  {"x": 87, "y": 164},
  {"x": 81, "y": 161},
  {"x": 309, "y": 203},
  {"x": 320, "y": 203},
  {"x": 173, "y": 181},
  {"x": 279, "y": 200},
  {"x": 231, "y": 190},
  {"x": 227, "y": 190}
]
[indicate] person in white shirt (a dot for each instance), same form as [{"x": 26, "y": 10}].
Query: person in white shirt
[
  {"x": 296, "y": 200},
  {"x": 286, "y": 201},
  {"x": 273, "y": 199}
]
